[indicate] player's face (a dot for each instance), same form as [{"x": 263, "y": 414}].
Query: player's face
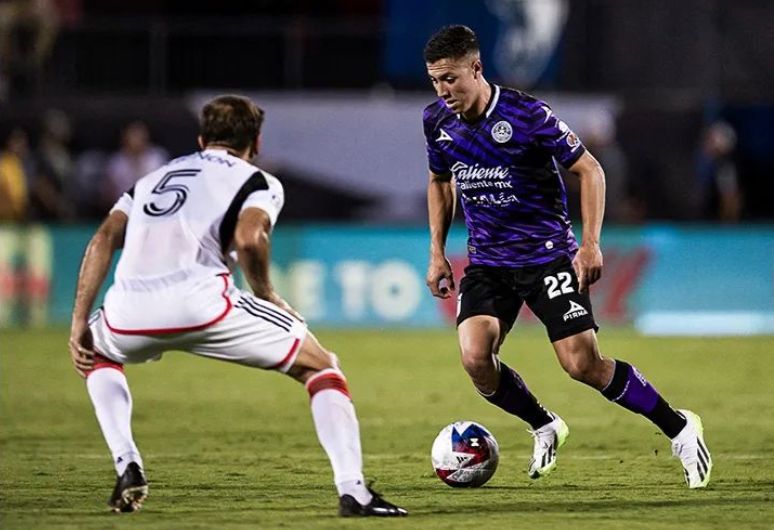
[{"x": 457, "y": 82}]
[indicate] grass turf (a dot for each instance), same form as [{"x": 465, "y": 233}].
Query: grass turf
[{"x": 229, "y": 447}]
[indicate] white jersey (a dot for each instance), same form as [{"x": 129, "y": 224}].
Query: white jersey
[{"x": 174, "y": 273}]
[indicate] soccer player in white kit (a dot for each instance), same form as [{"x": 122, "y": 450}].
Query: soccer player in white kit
[{"x": 183, "y": 229}]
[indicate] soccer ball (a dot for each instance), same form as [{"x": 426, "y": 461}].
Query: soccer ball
[{"x": 465, "y": 455}]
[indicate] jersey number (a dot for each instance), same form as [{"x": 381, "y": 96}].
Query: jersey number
[
  {"x": 554, "y": 287},
  {"x": 165, "y": 185}
]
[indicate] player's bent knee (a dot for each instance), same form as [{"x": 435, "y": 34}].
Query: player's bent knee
[
  {"x": 328, "y": 379},
  {"x": 477, "y": 360},
  {"x": 574, "y": 370},
  {"x": 477, "y": 350},
  {"x": 320, "y": 359},
  {"x": 580, "y": 369},
  {"x": 311, "y": 359}
]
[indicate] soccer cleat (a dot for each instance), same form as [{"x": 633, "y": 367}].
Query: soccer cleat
[
  {"x": 378, "y": 507},
  {"x": 548, "y": 439},
  {"x": 131, "y": 490},
  {"x": 690, "y": 448}
]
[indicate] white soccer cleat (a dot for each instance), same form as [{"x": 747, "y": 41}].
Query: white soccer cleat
[
  {"x": 690, "y": 448},
  {"x": 548, "y": 439}
]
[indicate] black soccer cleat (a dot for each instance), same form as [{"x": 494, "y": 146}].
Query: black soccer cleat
[
  {"x": 378, "y": 507},
  {"x": 131, "y": 490}
]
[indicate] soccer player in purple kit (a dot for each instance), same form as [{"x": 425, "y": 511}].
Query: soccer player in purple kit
[{"x": 497, "y": 148}]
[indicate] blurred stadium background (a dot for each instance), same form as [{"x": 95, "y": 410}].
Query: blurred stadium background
[{"x": 674, "y": 99}]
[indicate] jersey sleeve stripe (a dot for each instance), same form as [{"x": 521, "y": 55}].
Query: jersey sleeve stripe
[{"x": 255, "y": 183}]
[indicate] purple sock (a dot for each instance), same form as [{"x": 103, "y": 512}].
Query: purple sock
[
  {"x": 514, "y": 397},
  {"x": 631, "y": 390}
]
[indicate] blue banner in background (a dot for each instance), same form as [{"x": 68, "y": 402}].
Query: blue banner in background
[
  {"x": 346, "y": 276},
  {"x": 519, "y": 39},
  {"x": 707, "y": 281},
  {"x": 665, "y": 280}
]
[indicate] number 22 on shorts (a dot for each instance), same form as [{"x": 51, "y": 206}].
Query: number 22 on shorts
[{"x": 559, "y": 284}]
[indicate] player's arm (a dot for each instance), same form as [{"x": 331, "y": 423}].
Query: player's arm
[
  {"x": 440, "y": 207},
  {"x": 94, "y": 268},
  {"x": 253, "y": 245},
  {"x": 588, "y": 261}
]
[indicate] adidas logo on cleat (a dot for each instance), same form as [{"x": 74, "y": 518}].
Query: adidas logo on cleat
[{"x": 576, "y": 310}]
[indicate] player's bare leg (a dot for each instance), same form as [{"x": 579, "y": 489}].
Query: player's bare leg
[
  {"x": 112, "y": 400},
  {"x": 579, "y": 356},
  {"x": 338, "y": 430},
  {"x": 623, "y": 384},
  {"x": 480, "y": 339}
]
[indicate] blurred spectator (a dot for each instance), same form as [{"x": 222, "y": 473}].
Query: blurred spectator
[
  {"x": 28, "y": 29},
  {"x": 136, "y": 158},
  {"x": 15, "y": 166},
  {"x": 49, "y": 198},
  {"x": 89, "y": 174},
  {"x": 599, "y": 136},
  {"x": 722, "y": 197}
]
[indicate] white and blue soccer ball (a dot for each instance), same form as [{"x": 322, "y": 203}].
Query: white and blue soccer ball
[{"x": 465, "y": 454}]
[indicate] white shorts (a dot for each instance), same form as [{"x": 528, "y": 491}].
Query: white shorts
[{"x": 253, "y": 332}]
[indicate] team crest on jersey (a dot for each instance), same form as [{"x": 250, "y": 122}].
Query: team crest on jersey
[
  {"x": 502, "y": 132},
  {"x": 573, "y": 140}
]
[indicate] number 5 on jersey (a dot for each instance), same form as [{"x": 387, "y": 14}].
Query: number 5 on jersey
[
  {"x": 166, "y": 185},
  {"x": 559, "y": 284}
]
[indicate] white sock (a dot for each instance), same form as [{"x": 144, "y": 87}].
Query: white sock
[
  {"x": 339, "y": 434},
  {"x": 356, "y": 488},
  {"x": 109, "y": 393}
]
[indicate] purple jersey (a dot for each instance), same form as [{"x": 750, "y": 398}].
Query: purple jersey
[{"x": 504, "y": 167}]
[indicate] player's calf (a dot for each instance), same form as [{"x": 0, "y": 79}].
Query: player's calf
[
  {"x": 312, "y": 358},
  {"x": 337, "y": 429},
  {"x": 513, "y": 396}
]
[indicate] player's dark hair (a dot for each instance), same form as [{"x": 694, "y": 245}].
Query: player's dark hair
[
  {"x": 451, "y": 42},
  {"x": 230, "y": 121}
]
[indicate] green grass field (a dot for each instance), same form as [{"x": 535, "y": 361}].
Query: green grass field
[{"x": 230, "y": 447}]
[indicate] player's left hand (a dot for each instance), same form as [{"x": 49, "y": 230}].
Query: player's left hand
[
  {"x": 81, "y": 348},
  {"x": 588, "y": 265}
]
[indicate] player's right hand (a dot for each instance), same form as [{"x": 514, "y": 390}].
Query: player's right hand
[
  {"x": 440, "y": 279},
  {"x": 81, "y": 348}
]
